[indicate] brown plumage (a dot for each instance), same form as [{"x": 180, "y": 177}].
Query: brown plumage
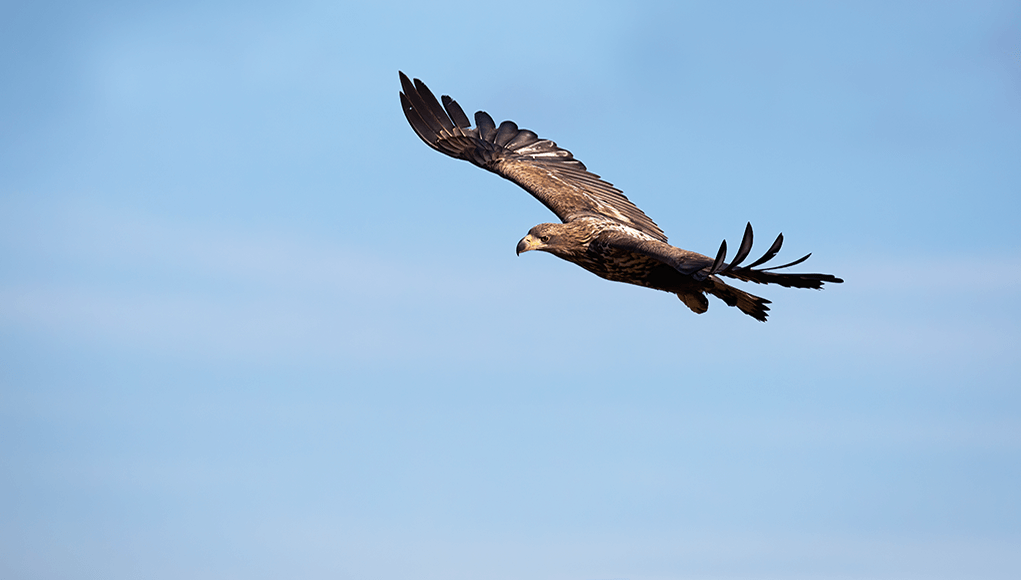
[{"x": 602, "y": 231}]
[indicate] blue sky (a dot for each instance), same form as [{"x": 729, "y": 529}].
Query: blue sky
[{"x": 252, "y": 327}]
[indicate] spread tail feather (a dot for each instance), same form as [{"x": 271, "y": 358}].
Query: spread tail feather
[{"x": 750, "y": 304}]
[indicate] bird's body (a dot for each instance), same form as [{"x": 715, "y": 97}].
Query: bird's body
[
  {"x": 591, "y": 247},
  {"x": 602, "y": 231}
]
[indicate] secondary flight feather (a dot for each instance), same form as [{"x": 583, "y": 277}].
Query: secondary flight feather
[{"x": 602, "y": 231}]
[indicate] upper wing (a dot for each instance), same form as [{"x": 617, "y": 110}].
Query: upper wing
[
  {"x": 548, "y": 172},
  {"x": 686, "y": 262},
  {"x": 700, "y": 266}
]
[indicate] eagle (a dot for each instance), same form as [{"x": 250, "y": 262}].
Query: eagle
[{"x": 601, "y": 230}]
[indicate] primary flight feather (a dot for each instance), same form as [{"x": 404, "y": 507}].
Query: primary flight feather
[{"x": 602, "y": 231}]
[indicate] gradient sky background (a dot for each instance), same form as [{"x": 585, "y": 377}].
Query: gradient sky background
[{"x": 252, "y": 327}]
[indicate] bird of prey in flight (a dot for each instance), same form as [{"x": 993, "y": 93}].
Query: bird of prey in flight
[{"x": 602, "y": 231}]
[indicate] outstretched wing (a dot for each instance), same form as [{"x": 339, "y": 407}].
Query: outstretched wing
[
  {"x": 549, "y": 173},
  {"x": 700, "y": 266},
  {"x": 752, "y": 272},
  {"x": 686, "y": 262}
]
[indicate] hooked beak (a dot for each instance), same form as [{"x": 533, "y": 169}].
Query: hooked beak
[{"x": 527, "y": 243}]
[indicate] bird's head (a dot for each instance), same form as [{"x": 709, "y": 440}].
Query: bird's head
[{"x": 541, "y": 237}]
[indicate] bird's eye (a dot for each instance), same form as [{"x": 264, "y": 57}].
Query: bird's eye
[{"x": 544, "y": 239}]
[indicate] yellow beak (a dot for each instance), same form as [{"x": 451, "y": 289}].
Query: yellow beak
[{"x": 527, "y": 243}]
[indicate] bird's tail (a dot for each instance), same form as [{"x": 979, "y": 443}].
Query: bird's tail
[{"x": 750, "y": 304}]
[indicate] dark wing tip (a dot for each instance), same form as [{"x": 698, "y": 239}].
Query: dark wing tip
[
  {"x": 406, "y": 85},
  {"x": 751, "y": 272},
  {"x": 742, "y": 251},
  {"x": 720, "y": 257},
  {"x": 569, "y": 190},
  {"x": 456, "y": 112}
]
